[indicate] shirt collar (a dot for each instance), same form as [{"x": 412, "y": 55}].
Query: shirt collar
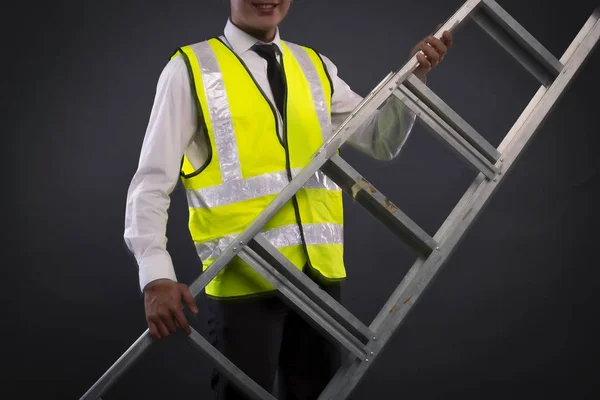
[{"x": 241, "y": 41}]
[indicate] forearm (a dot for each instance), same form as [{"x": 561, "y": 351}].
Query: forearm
[
  {"x": 145, "y": 227},
  {"x": 385, "y": 132},
  {"x": 170, "y": 130}
]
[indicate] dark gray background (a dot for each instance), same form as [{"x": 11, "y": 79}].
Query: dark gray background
[{"x": 513, "y": 313}]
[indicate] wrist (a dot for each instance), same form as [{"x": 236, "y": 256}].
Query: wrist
[{"x": 156, "y": 267}]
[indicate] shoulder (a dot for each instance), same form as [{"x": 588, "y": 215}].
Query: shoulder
[
  {"x": 175, "y": 74},
  {"x": 175, "y": 65},
  {"x": 180, "y": 56},
  {"x": 176, "y": 71}
]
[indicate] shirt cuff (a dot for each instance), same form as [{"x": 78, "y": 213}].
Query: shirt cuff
[{"x": 157, "y": 266}]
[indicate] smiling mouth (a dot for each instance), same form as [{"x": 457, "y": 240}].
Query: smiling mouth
[{"x": 265, "y": 6}]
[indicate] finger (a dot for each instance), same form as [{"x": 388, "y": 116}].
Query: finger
[
  {"x": 167, "y": 318},
  {"x": 439, "y": 46},
  {"x": 431, "y": 54},
  {"x": 152, "y": 316},
  {"x": 182, "y": 321},
  {"x": 425, "y": 64},
  {"x": 189, "y": 299},
  {"x": 162, "y": 328},
  {"x": 154, "y": 334},
  {"x": 447, "y": 38}
]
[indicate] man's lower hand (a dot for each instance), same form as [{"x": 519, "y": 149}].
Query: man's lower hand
[{"x": 163, "y": 300}]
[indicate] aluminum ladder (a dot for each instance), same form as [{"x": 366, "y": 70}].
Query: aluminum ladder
[{"x": 364, "y": 343}]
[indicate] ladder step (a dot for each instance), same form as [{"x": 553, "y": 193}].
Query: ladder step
[
  {"x": 277, "y": 260},
  {"x": 449, "y": 116},
  {"x": 314, "y": 315},
  {"x": 444, "y": 131},
  {"x": 229, "y": 369},
  {"x": 515, "y": 39},
  {"x": 378, "y": 205}
]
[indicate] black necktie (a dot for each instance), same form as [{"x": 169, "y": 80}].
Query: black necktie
[{"x": 274, "y": 72}]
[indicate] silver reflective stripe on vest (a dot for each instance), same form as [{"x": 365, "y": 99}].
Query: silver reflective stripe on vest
[
  {"x": 279, "y": 237},
  {"x": 316, "y": 88},
  {"x": 219, "y": 111},
  {"x": 252, "y": 188},
  {"x": 318, "y": 181}
]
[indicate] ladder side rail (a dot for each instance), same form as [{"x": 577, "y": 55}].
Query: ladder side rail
[{"x": 119, "y": 367}]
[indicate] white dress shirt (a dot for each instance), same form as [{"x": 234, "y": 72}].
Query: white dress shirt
[{"x": 173, "y": 131}]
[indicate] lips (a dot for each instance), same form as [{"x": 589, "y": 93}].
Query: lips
[{"x": 265, "y": 6}]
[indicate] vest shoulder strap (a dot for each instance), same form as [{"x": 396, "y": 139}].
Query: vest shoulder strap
[{"x": 319, "y": 56}]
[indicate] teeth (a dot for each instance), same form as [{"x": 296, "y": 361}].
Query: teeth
[{"x": 265, "y": 6}]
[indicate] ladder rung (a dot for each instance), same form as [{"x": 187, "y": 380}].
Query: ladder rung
[
  {"x": 277, "y": 260},
  {"x": 303, "y": 304},
  {"x": 445, "y": 132},
  {"x": 378, "y": 205},
  {"x": 229, "y": 369},
  {"x": 446, "y": 113},
  {"x": 516, "y": 40}
]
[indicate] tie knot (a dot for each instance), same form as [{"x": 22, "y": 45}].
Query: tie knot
[{"x": 267, "y": 51}]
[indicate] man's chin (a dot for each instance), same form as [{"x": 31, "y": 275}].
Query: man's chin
[
  {"x": 266, "y": 21},
  {"x": 264, "y": 26}
]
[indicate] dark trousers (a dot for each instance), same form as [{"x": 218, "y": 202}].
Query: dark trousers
[{"x": 263, "y": 336}]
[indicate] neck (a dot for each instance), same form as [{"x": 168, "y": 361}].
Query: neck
[{"x": 262, "y": 35}]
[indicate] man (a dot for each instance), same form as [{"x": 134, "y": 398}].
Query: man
[{"x": 235, "y": 118}]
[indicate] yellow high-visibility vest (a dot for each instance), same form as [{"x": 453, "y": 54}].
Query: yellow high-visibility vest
[{"x": 248, "y": 165}]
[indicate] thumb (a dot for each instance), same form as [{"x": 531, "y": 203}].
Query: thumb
[{"x": 188, "y": 298}]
